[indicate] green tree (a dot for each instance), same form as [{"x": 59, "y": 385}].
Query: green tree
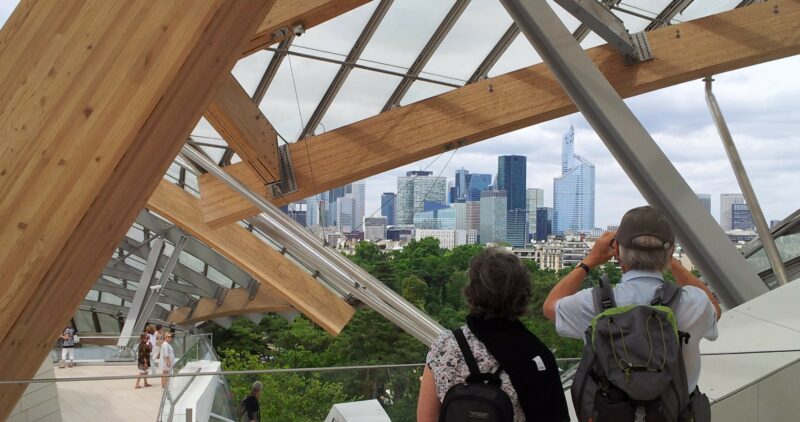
[{"x": 415, "y": 290}]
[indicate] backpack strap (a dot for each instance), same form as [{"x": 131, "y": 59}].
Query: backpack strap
[
  {"x": 475, "y": 374},
  {"x": 667, "y": 295},
  {"x": 469, "y": 358},
  {"x": 603, "y": 295}
]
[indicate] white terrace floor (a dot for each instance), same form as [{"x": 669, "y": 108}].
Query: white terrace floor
[{"x": 104, "y": 401}]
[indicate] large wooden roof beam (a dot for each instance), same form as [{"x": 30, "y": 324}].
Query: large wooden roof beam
[
  {"x": 237, "y": 118},
  {"x": 683, "y": 52},
  {"x": 237, "y": 302},
  {"x": 288, "y": 13},
  {"x": 288, "y": 282},
  {"x": 97, "y": 98}
]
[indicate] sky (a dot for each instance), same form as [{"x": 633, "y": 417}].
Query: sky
[{"x": 760, "y": 104}]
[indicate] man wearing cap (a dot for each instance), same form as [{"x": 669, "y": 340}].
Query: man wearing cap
[{"x": 643, "y": 246}]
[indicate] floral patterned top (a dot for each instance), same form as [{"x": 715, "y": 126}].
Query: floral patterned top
[{"x": 449, "y": 368}]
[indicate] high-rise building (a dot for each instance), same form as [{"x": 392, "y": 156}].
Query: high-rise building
[
  {"x": 388, "y": 207},
  {"x": 573, "y": 192},
  {"x": 460, "y": 211},
  {"x": 358, "y": 191},
  {"x": 345, "y": 213},
  {"x": 534, "y": 199},
  {"x": 412, "y": 192},
  {"x": 494, "y": 216},
  {"x": 444, "y": 218},
  {"x": 726, "y": 201},
  {"x": 374, "y": 228},
  {"x": 511, "y": 173},
  {"x": 741, "y": 218},
  {"x": 477, "y": 183},
  {"x": 473, "y": 215},
  {"x": 517, "y": 227},
  {"x": 705, "y": 199},
  {"x": 544, "y": 223},
  {"x": 468, "y": 186}
]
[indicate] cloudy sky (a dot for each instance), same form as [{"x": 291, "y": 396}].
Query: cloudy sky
[{"x": 759, "y": 102}]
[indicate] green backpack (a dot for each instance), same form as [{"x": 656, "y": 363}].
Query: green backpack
[{"x": 632, "y": 367}]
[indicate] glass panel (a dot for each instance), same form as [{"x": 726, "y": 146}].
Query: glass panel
[
  {"x": 405, "y": 31},
  {"x": 519, "y": 54},
  {"x": 298, "y": 79},
  {"x": 421, "y": 90},
  {"x": 699, "y": 8},
  {"x": 219, "y": 277},
  {"x": 108, "y": 324},
  {"x": 249, "y": 70},
  {"x": 469, "y": 41},
  {"x": 92, "y": 295},
  {"x": 363, "y": 95},
  {"x": 83, "y": 321}
]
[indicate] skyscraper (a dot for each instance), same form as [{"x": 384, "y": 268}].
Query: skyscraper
[
  {"x": 345, "y": 210},
  {"x": 477, "y": 182},
  {"x": 511, "y": 173},
  {"x": 460, "y": 209},
  {"x": 705, "y": 199},
  {"x": 473, "y": 215},
  {"x": 741, "y": 218},
  {"x": 544, "y": 223},
  {"x": 359, "y": 192},
  {"x": 468, "y": 186},
  {"x": 388, "y": 207},
  {"x": 573, "y": 192},
  {"x": 412, "y": 192},
  {"x": 726, "y": 201},
  {"x": 494, "y": 212},
  {"x": 534, "y": 200}
]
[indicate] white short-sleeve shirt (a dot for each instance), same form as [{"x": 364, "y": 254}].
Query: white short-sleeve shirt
[
  {"x": 167, "y": 351},
  {"x": 694, "y": 312}
]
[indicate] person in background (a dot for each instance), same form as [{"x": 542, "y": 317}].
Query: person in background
[
  {"x": 167, "y": 359},
  {"x": 67, "y": 347},
  {"x": 143, "y": 359},
  {"x": 250, "y": 407},
  {"x": 498, "y": 293},
  {"x": 152, "y": 341}
]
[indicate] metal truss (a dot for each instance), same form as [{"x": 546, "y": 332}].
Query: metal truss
[
  {"x": 427, "y": 52},
  {"x": 344, "y": 71}
]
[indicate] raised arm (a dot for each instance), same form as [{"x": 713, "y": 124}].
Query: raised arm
[
  {"x": 684, "y": 277},
  {"x": 601, "y": 252}
]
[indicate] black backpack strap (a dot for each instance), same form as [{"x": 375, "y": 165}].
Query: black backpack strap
[
  {"x": 469, "y": 358},
  {"x": 603, "y": 295},
  {"x": 667, "y": 295}
]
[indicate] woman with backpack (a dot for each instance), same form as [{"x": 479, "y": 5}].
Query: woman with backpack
[{"x": 493, "y": 368}]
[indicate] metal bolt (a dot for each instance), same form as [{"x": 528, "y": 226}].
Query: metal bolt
[
  {"x": 775, "y": 10},
  {"x": 677, "y": 33},
  {"x": 491, "y": 88}
]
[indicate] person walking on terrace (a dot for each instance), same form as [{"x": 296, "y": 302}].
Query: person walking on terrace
[{"x": 143, "y": 359}]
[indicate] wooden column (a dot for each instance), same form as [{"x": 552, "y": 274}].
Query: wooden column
[{"x": 97, "y": 98}]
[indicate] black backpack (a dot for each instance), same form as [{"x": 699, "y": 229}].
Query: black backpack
[
  {"x": 479, "y": 398},
  {"x": 632, "y": 362}
]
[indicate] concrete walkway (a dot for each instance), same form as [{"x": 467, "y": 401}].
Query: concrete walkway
[{"x": 106, "y": 400}]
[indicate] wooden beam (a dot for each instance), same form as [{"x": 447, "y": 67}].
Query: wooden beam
[
  {"x": 237, "y": 302},
  {"x": 234, "y": 115},
  {"x": 287, "y": 13},
  {"x": 97, "y": 98},
  {"x": 273, "y": 270},
  {"x": 683, "y": 52}
]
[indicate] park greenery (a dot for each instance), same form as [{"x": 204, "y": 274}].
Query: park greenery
[{"x": 427, "y": 276}]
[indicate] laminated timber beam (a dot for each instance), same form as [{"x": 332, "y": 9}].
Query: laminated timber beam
[
  {"x": 237, "y": 302},
  {"x": 285, "y": 14},
  {"x": 237, "y": 118},
  {"x": 683, "y": 52},
  {"x": 97, "y": 98},
  {"x": 278, "y": 276}
]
